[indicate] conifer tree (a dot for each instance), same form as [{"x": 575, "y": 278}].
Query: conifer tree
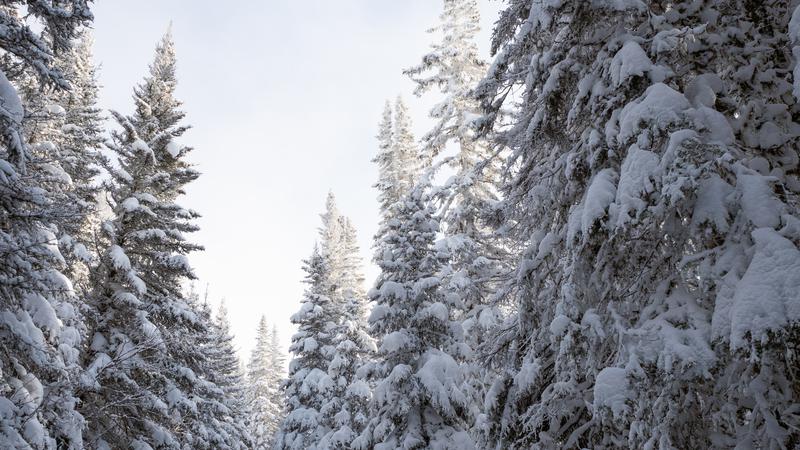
[
  {"x": 217, "y": 421},
  {"x": 277, "y": 377},
  {"x": 345, "y": 411},
  {"x": 39, "y": 331},
  {"x": 142, "y": 385},
  {"x": 64, "y": 135},
  {"x": 419, "y": 399},
  {"x": 312, "y": 347},
  {"x": 476, "y": 262},
  {"x": 384, "y": 159},
  {"x": 226, "y": 366},
  {"x": 405, "y": 154},
  {"x": 397, "y": 159},
  {"x": 656, "y": 199},
  {"x": 78, "y": 153},
  {"x": 264, "y": 394},
  {"x": 332, "y": 342}
]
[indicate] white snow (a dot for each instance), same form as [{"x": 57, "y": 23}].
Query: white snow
[
  {"x": 141, "y": 146},
  {"x": 100, "y": 363},
  {"x": 394, "y": 341},
  {"x": 173, "y": 148},
  {"x": 634, "y": 181},
  {"x": 140, "y": 445},
  {"x": 146, "y": 197},
  {"x": 119, "y": 258},
  {"x": 437, "y": 311},
  {"x": 766, "y": 298},
  {"x": 717, "y": 127},
  {"x": 661, "y": 105},
  {"x": 71, "y": 128},
  {"x": 559, "y": 324},
  {"x": 359, "y": 389},
  {"x": 57, "y": 173},
  {"x": 770, "y": 136},
  {"x": 7, "y": 409},
  {"x": 310, "y": 344},
  {"x": 391, "y": 289},
  {"x": 546, "y": 246},
  {"x": 758, "y": 200},
  {"x": 598, "y": 197},
  {"x": 41, "y": 312},
  {"x": 619, "y": 5},
  {"x": 611, "y": 390},
  {"x": 703, "y": 90},
  {"x": 10, "y": 103},
  {"x": 55, "y": 110},
  {"x": 130, "y": 204},
  {"x": 438, "y": 372},
  {"x": 631, "y": 61},
  {"x": 711, "y": 205},
  {"x": 574, "y": 223},
  {"x": 666, "y": 40},
  {"x": 34, "y": 432},
  {"x": 592, "y": 323}
]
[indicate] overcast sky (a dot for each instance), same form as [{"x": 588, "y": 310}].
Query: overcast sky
[{"x": 284, "y": 98}]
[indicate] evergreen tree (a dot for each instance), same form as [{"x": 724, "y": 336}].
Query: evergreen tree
[
  {"x": 226, "y": 366},
  {"x": 78, "y": 154},
  {"x": 217, "y": 422},
  {"x": 405, "y": 154},
  {"x": 345, "y": 410},
  {"x": 312, "y": 347},
  {"x": 39, "y": 324},
  {"x": 64, "y": 133},
  {"x": 331, "y": 344},
  {"x": 386, "y": 184},
  {"x": 397, "y": 159},
  {"x": 454, "y": 68},
  {"x": 419, "y": 398},
  {"x": 143, "y": 380},
  {"x": 264, "y": 395},
  {"x": 476, "y": 259},
  {"x": 277, "y": 377},
  {"x": 652, "y": 182}
]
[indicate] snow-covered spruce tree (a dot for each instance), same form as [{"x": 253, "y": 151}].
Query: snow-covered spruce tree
[
  {"x": 346, "y": 407},
  {"x": 386, "y": 184},
  {"x": 405, "y": 154},
  {"x": 226, "y": 368},
  {"x": 475, "y": 266},
  {"x": 653, "y": 180},
  {"x": 454, "y": 68},
  {"x": 265, "y": 401},
  {"x": 397, "y": 159},
  {"x": 38, "y": 320},
  {"x": 338, "y": 278},
  {"x": 312, "y": 348},
  {"x": 64, "y": 132},
  {"x": 418, "y": 399},
  {"x": 61, "y": 23},
  {"x": 77, "y": 151},
  {"x": 340, "y": 331},
  {"x": 217, "y": 422},
  {"x": 277, "y": 376},
  {"x": 141, "y": 388}
]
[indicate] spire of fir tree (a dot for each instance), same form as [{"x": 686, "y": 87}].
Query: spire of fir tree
[
  {"x": 264, "y": 379},
  {"x": 157, "y": 108},
  {"x": 419, "y": 399}
]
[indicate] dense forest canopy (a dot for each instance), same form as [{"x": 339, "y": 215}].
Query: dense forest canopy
[{"x": 595, "y": 245}]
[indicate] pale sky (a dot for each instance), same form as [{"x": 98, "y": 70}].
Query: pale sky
[{"x": 284, "y": 97}]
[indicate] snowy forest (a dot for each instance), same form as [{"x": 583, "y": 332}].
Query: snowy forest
[{"x": 594, "y": 247}]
